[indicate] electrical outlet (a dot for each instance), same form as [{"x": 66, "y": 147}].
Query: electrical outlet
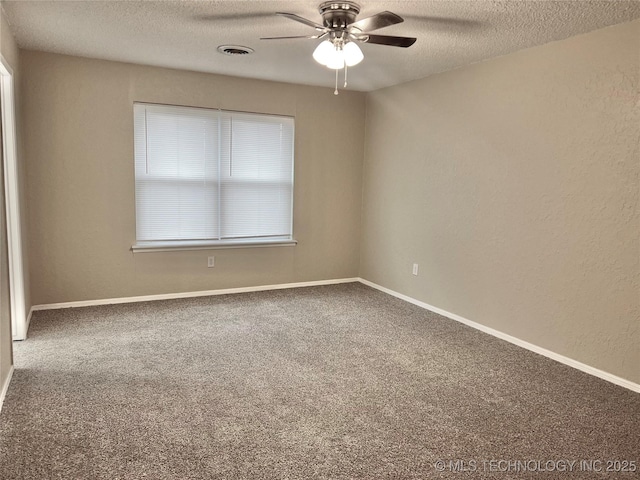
[
  {"x": 415, "y": 269},
  {"x": 211, "y": 262}
]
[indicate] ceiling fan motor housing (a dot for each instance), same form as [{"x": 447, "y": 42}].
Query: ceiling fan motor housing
[{"x": 338, "y": 14}]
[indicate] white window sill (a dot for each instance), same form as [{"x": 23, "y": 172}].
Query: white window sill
[{"x": 174, "y": 245}]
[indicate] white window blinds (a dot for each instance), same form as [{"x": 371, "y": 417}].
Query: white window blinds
[{"x": 211, "y": 175}]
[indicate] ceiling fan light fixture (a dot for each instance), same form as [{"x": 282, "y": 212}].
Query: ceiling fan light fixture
[
  {"x": 336, "y": 56},
  {"x": 323, "y": 52},
  {"x": 336, "y": 59},
  {"x": 352, "y": 54}
]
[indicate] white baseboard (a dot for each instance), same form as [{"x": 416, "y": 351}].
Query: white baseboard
[
  {"x": 204, "y": 293},
  {"x": 5, "y": 387},
  {"x": 516, "y": 341}
]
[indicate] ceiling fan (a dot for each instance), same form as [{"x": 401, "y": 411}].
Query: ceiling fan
[{"x": 342, "y": 32}]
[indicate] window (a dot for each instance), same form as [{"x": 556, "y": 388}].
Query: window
[{"x": 207, "y": 178}]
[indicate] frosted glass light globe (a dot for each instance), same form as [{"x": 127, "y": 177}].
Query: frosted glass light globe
[
  {"x": 352, "y": 54},
  {"x": 323, "y": 52}
]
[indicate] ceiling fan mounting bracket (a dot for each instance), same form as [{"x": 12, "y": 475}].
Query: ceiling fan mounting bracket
[{"x": 337, "y": 14}]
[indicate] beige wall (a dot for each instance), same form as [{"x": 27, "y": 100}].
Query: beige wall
[
  {"x": 79, "y": 152},
  {"x": 514, "y": 184}
]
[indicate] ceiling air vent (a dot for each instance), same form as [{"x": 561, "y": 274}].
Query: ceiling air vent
[{"x": 234, "y": 50}]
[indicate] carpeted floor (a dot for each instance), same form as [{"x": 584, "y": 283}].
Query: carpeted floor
[{"x": 325, "y": 382}]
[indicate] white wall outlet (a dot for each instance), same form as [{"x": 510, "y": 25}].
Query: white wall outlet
[
  {"x": 415, "y": 269},
  {"x": 211, "y": 262}
]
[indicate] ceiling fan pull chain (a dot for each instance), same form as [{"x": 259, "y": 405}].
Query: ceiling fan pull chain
[
  {"x": 335, "y": 92},
  {"x": 346, "y": 68}
]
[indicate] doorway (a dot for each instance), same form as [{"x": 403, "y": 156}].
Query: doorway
[{"x": 19, "y": 323}]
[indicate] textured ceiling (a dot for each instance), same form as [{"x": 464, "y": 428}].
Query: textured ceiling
[{"x": 185, "y": 34}]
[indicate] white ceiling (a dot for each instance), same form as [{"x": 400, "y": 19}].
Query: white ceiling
[{"x": 184, "y": 34}]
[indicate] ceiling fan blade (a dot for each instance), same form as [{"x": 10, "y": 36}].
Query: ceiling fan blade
[
  {"x": 300, "y": 19},
  {"x": 323, "y": 34},
  {"x": 387, "y": 40},
  {"x": 380, "y": 20}
]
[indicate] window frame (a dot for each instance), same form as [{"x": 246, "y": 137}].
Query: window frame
[{"x": 209, "y": 244}]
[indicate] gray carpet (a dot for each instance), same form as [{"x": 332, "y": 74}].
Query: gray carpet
[{"x": 325, "y": 382}]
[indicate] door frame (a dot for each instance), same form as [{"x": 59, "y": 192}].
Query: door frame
[{"x": 19, "y": 323}]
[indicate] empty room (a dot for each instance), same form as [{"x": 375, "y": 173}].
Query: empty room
[{"x": 320, "y": 239}]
